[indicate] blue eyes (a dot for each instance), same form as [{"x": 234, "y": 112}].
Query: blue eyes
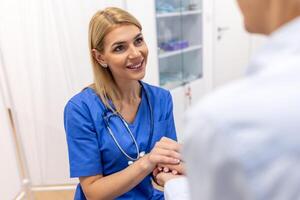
[{"x": 120, "y": 48}]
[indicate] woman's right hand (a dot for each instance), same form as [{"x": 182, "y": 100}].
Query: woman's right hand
[
  {"x": 165, "y": 151},
  {"x": 162, "y": 178}
]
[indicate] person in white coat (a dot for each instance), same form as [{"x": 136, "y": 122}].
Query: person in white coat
[{"x": 243, "y": 140}]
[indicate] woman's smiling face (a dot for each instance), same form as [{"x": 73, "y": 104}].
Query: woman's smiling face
[{"x": 125, "y": 52}]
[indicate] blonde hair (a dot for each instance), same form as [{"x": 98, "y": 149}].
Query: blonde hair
[{"x": 100, "y": 25}]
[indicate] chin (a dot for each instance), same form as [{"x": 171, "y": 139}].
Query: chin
[{"x": 140, "y": 76}]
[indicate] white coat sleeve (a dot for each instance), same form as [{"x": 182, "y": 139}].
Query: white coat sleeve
[
  {"x": 212, "y": 172},
  {"x": 177, "y": 189}
]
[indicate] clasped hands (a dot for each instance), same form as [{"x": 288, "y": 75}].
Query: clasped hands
[{"x": 167, "y": 161}]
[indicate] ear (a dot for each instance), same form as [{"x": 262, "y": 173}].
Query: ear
[{"x": 98, "y": 56}]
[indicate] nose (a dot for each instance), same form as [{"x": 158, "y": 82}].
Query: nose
[{"x": 134, "y": 52}]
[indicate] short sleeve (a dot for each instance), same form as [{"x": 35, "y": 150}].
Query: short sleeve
[
  {"x": 83, "y": 146},
  {"x": 171, "y": 132}
]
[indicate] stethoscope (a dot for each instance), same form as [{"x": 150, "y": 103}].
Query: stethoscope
[{"x": 108, "y": 114}]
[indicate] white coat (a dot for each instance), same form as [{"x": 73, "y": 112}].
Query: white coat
[{"x": 243, "y": 141}]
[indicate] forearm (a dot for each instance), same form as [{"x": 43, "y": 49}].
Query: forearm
[{"x": 114, "y": 185}]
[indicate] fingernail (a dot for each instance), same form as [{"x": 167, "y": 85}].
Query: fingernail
[{"x": 166, "y": 169}]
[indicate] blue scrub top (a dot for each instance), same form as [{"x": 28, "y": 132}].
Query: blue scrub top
[{"x": 92, "y": 150}]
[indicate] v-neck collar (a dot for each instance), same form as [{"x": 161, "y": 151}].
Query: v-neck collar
[{"x": 139, "y": 110}]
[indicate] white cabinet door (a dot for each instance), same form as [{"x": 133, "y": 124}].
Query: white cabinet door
[
  {"x": 179, "y": 107},
  {"x": 232, "y": 43},
  {"x": 202, "y": 86}
]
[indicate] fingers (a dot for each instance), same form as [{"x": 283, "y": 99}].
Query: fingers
[
  {"x": 156, "y": 171},
  {"x": 166, "y": 152},
  {"x": 166, "y": 169},
  {"x": 166, "y": 139},
  {"x": 163, "y": 177},
  {"x": 168, "y": 144},
  {"x": 178, "y": 167},
  {"x": 157, "y": 158}
]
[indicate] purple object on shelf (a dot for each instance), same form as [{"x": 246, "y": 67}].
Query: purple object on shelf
[{"x": 174, "y": 45}]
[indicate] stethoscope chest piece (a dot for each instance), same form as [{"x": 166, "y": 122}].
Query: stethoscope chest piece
[{"x": 130, "y": 162}]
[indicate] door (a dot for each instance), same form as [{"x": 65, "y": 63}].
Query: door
[{"x": 232, "y": 43}]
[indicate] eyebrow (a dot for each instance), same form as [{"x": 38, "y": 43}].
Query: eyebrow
[{"x": 122, "y": 42}]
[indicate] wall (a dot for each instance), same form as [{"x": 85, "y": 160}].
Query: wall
[
  {"x": 11, "y": 184},
  {"x": 46, "y": 61}
]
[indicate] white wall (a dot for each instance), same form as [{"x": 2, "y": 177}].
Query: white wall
[
  {"x": 11, "y": 184},
  {"x": 45, "y": 56}
]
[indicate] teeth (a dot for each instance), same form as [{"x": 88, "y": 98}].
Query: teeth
[{"x": 135, "y": 66}]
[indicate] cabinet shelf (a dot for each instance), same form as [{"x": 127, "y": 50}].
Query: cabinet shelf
[
  {"x": 178, "y": 52},
  {"x": 178, "y": 14},
  {"x": 179, "y": 40}
]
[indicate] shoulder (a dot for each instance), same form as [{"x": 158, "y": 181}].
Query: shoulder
[
  {"x": 224, "y": 101},
  {"x": 156, "y": 92},
  {"x": 85, "y": 100}
]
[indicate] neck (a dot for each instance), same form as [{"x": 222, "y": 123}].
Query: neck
[
  {"x": 129, "y": 90},
  {"x": 283, "y": 12}
]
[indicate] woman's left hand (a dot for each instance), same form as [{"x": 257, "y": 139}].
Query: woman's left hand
[{"x": 166, "y": 151}]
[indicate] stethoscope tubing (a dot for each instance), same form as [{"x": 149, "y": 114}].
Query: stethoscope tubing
[
  {"x": 139, "y": 154},
  {"x": 131, "y": 135}
]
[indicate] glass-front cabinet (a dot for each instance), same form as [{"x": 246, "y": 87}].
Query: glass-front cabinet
[{"x": 179, "y": 41}]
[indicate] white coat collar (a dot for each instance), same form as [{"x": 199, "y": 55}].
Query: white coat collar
[{"x": 282, "y": 43}]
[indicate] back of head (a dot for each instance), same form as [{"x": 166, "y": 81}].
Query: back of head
[{"x": 266, "y": 16}]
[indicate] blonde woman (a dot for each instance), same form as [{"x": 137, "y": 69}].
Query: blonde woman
[{"x": 119, "y": 128}]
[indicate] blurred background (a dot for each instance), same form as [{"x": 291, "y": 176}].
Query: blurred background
[{"x": 195, "y": 46}]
